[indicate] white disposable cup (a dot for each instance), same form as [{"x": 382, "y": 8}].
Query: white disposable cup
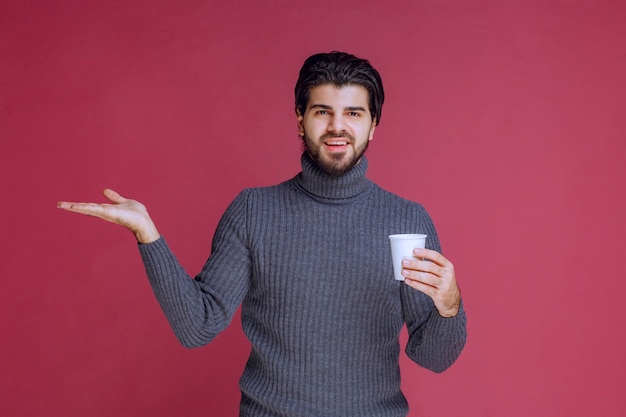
[{"x": 402, "y": 248}]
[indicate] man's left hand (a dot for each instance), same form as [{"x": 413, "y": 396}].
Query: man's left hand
[{"x": 432, "y": 274}]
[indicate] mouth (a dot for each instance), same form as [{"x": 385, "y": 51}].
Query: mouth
[
  {"x": 336, "y": 142},
  {"x": 336, "y": 145}
]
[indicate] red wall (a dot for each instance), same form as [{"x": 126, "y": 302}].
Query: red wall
[{"x": 505, "y": 118}]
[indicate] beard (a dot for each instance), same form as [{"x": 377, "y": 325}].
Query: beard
[{"x": 334, "y": 164}]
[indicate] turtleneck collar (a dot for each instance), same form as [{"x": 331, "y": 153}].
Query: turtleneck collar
[{"x": 320, "y": 184}]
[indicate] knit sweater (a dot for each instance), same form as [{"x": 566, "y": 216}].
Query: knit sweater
[{"x": 309, "y": 262}]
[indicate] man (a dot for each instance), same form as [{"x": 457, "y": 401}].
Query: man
[{"x": 309, "y": 262}]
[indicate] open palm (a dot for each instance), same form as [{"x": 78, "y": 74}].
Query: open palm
[{"x": 128, "y": 213}]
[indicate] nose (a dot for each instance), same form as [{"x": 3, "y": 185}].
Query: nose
[{"x": 336, "y": 123}]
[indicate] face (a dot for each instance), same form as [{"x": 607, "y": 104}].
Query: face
[{"x": 336, "y": 126}]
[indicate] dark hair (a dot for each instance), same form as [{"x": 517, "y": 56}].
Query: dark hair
[{"x": 340, "y": 69}]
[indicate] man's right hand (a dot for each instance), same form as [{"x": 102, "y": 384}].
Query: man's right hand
[{"x": 126, "y": 212}]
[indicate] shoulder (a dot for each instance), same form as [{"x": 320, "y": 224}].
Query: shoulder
[
  {"x": 394, "y": 200},
  {"x": 406, "y": 216},
  {"x": 266, "y": 195},
  {"x": 266, "y": 191}
]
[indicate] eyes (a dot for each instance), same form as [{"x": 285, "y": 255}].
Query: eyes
[{"x": 350, "y": 113}]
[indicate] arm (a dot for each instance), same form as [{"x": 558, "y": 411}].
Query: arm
[
  {"x": 196, "y": 309},
  {"x": 433, "y": 310},
  {"x": 435, "y": 342},
  {"x": 199, "y": 309}
]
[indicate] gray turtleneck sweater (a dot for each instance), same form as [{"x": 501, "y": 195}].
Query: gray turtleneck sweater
[{"x": 309, "y": 262}]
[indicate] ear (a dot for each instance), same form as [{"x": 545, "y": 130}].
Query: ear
[
  {"x": 373, "y": 128},
  {"x": 300, "y": 120}
]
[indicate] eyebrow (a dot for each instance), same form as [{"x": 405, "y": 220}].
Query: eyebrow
[{"x": 327, "y": 107}]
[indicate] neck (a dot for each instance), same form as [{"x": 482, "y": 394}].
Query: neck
[{"x": 323, "y": 185}]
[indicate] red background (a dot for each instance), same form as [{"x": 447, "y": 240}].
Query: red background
[{"x": 505, "y": 118}]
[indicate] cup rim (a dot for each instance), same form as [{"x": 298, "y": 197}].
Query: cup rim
[{"x": 408, "y": 236}]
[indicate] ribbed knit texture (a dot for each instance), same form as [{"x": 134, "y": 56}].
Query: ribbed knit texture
[{"x": 310, "y": 263}]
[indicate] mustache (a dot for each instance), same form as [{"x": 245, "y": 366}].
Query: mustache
[{"x": 333, "y": 135}]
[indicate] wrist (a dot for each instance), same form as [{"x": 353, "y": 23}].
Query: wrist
[
  {"x": 450, "y": 312},
  {"x": 147, "y": 234}
]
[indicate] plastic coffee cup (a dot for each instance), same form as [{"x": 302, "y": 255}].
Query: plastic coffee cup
[{"x": 402, "y": 248}]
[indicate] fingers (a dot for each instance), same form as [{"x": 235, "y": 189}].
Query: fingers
[
  {"x": 428, "y": 266},
  {"x": 113, "y": 196},
  {"x": 430, "y": 269},
  {"x": 128, "y": 213},
  {"x": 422, "y": 287},
  {"x": 433, "y": 275},
  {"x": 92, "y": 208},
  {"x": 431, "y": 255},
  {"x": 423, "y": 270},
  {"x": 89, "y": 209},
  {"x": 447, "y": 300}
]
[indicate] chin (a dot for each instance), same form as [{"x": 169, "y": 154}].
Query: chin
[{"x": 336, "y": 167}]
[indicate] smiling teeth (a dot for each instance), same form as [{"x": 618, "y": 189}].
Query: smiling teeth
[{"x": 337, "y": 143}]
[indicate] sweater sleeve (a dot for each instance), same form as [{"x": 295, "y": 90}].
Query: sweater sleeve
[
  {"x": 435, "y": 342},
  {"x": 199, "y": 309}
]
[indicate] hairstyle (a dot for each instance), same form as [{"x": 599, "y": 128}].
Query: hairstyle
[{"x": 340, "y": 69}]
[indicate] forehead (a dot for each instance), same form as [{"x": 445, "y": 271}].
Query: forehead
[{"x": 350, "y": 95}]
